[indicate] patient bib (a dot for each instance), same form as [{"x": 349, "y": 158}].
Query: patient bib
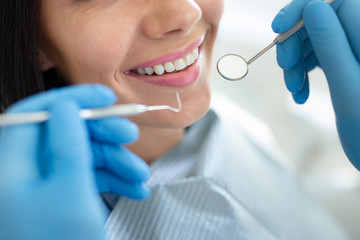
[{"x": 221, "y": 183}]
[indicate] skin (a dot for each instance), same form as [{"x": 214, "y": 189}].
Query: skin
[{"x": 96, "y": 41}]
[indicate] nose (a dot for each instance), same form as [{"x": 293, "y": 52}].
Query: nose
[{"x": 170, "y": 17}]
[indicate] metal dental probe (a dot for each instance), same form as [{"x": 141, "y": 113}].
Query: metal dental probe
[{"x": 121, "y": 110}]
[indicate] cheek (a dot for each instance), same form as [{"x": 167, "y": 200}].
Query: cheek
[
  {"x": 97, "y": 52},
  {"x": 212, "y": 10},
  {"x": 85, "y": 50},
  {"x": 212, "y": 13}
]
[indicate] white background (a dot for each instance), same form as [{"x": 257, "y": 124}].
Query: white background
[{"x": 305, "y": 133}]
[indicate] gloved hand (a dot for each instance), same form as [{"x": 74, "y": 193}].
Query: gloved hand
[
  {"x": 47, "y": 171},
  {"x": 330, "y": 40}
]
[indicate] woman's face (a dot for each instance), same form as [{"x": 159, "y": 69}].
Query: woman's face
[{"x": 113, "y": 42}]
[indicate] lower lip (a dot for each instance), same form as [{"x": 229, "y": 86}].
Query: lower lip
[{"x": 177, "y": 79}]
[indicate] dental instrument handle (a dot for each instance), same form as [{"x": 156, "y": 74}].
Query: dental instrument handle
[
  {"x": 123, "y": 110},
  {"x": 282, "y": 37},
  {"x": 279, "y": 39},
  {"x": 262, "y": 52}
]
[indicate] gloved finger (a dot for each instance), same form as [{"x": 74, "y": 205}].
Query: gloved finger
[
  {"x": 307, "y": 48},
  {"x": 67, "y": 141},
  {"x": 107, "y": 182},
  {"x": 333, "y": 52},
  {"x": 294, "y": 48},
  {"x": 288, "y": 16},
  {"x": 113, "y": 131},
  {"x": 87, "y": 96},
  {"x": 292, "y": 13},
  {"x": 28, "y": 137},
  {"x": 295, "y": 77},
  {"x": 311, "y": 62},
  {"x": 121, "y": 162},
  {"x": 302, "y": 96},
  {"x": 348, "y": 15},
  {"x": 18, "y": 147},
  {"x": 291, "y": 51}
]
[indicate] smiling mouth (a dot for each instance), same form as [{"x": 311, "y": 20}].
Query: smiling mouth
[{"x": 171, "y": 66}]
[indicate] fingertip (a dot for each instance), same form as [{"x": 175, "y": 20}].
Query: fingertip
[
  {"x": 299, "y": 98},
  {"x": 143, "y": 192},
  {"x": 133, "y": 131},
  {"x": 279, "y": 24},
  {"x": 142, "y": 171},
  {"x": 276, "y": 24},
  {"x": 147, "y": 192},
  {"x": 302, "y": 96},
  {"x": 147, "y": 173},
  {"x": 295, "y": 78},
  {"x": 135, "y": 191},
  {"x": 121, "y": 162},
  {"x": 107, "y": 182},
  {"x": 127, "y": 131}
]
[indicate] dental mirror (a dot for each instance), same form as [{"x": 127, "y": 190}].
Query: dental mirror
[{"x": 234, "y": 67}]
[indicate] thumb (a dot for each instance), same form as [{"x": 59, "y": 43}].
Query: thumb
[{"x": 332, "y": 49}]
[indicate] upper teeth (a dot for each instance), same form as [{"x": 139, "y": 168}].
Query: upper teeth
[{"x": 169, "y": 67}]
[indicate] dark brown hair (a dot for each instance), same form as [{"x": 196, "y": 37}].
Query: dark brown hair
[{"x": 20, "y": 72}]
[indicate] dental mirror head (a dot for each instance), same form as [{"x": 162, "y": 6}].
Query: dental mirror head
[{"x": 232, "y": 67}]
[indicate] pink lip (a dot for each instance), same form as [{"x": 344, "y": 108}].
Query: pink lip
[
  {"x": 170, "y": 57},
  {"x": 176, "y": 79}
]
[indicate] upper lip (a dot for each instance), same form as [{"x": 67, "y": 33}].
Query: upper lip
[{"x": 171, "y": 56}]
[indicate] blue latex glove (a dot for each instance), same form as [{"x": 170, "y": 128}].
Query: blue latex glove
[
  {"x": 49, "y": 171},
  {"x": 330, "y": 40}
]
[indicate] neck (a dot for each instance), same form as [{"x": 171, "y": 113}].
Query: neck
[{"x": 155, "y": 142}]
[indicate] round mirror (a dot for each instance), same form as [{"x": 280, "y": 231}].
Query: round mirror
[{"x": 232, "y": 67}]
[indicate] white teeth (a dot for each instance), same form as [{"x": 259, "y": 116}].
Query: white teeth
[
  {"x": 149, "y": 70},
  {"x": 180, "y": 64},
  {"x": 189, "y": 59},
  {"x": 159, "y": 69},
  {"x": 169, "y": 67},
  {"x": 173, "y": 66},
  {"x": 141, "y": 71},
  {"x": 195, "y": 53}
]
